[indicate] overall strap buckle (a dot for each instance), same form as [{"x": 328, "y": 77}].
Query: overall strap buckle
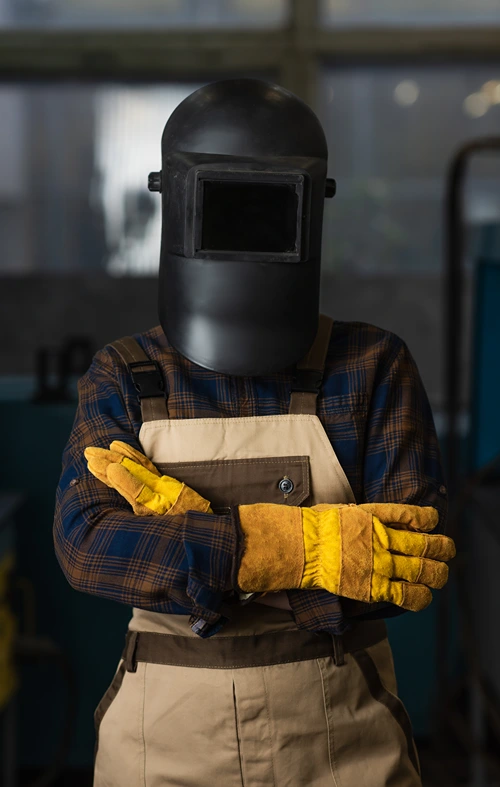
[
  {"x": 308, "y": 375},
  {"x": 147, "y": 379},
  {"x": 307, "y": 381}
]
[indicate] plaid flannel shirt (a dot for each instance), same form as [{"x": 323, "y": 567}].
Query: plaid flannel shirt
[{"x": 374, "y": 410}]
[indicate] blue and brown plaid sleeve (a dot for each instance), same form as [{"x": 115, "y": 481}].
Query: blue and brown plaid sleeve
[
  {"x": 379, "y": 421},
  {"x": 176, "y": 564},
  {"x": 402, "y": 462}
]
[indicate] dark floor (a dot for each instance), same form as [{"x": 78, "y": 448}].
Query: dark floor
[{"x": 70, "y": 778}]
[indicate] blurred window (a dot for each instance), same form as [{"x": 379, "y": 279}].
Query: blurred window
[
  {"x": 410, "y": 12},
  {"x": 74, "y": 164},
  {"x": 74, "y": 161},
  {"x": 392, "y": 132},
  {"x": 148, "y": 13}
]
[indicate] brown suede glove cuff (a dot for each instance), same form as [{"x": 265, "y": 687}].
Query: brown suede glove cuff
[
  {"x": 189, "y": 500},
  {"x": 273, "y": 548}
]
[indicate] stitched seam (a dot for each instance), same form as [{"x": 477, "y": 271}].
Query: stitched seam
[
  {"x": 243, "y": 419},
  {"x": 341, "y": 476},
  {"x": 269, "y": 726},
  {"x": 330, "y": 732},
  {"x": 372, "y": 564},
  {"x": 107, "y": 700},
  {"x": 128, "y": 351},
  {"x": 238, "y": 733},
  {"x": 362, "y": 657},
  {"x": 214, "y": 462},
  {"x": 330, "y": 417},
  {"x": 239, "y": 637},
  {"x": 142, "y": 730},
  {"x": 232, "y": 421},
  {"x": 337, "y": 467},
  {"x": 341, "y": 527},
  {"x": 233, "y": 666}
]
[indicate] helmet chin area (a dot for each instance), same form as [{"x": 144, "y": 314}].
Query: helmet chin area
[{"x": 240, "y": 351}]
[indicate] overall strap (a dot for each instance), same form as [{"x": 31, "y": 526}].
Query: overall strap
[
  {"x": 147, "y": 378},
  {"x": 309, "y": 372}
]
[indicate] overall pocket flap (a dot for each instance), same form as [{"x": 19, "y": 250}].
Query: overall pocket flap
[{"x": 231, "y": 482}]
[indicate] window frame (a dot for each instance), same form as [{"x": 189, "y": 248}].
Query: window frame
[{"x": 294, "y": 53}]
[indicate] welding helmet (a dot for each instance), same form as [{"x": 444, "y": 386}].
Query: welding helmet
[{"x": 243, "y": 184}]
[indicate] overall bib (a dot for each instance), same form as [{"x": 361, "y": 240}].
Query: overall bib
[{"x": 259, "y": 704}]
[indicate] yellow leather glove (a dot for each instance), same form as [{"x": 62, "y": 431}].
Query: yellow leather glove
[
  {"x": 139, "y": 482},
  {"x": 347, "y": 550}
]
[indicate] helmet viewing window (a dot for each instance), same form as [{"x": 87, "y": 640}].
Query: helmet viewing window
[{"x": 249, "y": 215}]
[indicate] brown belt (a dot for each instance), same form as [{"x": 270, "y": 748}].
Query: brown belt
[{"x": 248, "y": 651}]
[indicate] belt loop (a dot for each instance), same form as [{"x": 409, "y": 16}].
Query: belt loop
[
  {"x": 338, "y": 650},
  {"x": 130, "y": 648}
]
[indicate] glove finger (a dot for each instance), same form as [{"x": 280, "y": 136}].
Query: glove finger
[
  {"x": 167, "y": 491},
  {"x": 98, "y": 460},
  {"x": 126, "y": 450},
  {"x": 420, "y": 544},
  {"x": 97, "y": 472},
  {"x": 124, "y": 482},
  {"x": 403, "y": 517},
  {"x": 404, "y": 594},
  {"x": 412, "y": 597},
  {"x": 144, "y": 475},
  {"x": 133, "y": 489},
  {"x": 177, "y": 500},
  {"x": 102, "y": 453},
  {"x": 432, "y": 573},
  {"x": 155, "y": 502}
]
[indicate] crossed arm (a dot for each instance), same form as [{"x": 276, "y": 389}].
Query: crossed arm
[
  {"x": 186, "y": 562},
  {"x": 345, "y": 549}
]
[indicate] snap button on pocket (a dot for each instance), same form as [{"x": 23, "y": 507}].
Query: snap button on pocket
[{"x": 286, "y": 485}]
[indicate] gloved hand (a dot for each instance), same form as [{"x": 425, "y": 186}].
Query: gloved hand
[
  {"x": 346, "y": 549},
  {"x": 139, "y": 482},
  {"x": 371, "y": 552}
]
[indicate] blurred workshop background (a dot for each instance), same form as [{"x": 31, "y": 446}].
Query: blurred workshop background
[{"x": 409, "y": 95}]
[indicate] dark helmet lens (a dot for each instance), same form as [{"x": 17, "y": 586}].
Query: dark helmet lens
[{"x": 251, "y": 217}]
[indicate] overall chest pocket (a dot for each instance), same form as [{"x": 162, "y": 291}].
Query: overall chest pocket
[{"x": 231, "y": 482}]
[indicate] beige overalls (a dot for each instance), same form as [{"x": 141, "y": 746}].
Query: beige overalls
[{"x": 259, "y": 704}]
